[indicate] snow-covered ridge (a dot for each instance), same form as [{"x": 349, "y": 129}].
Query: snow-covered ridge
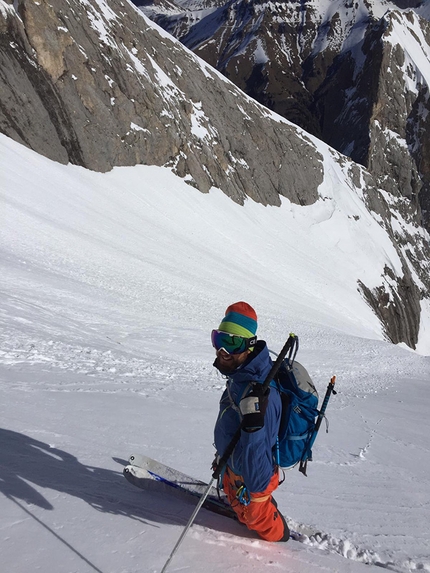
[{"x": 407, "y": 33}]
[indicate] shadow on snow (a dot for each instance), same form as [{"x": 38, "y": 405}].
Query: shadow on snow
[{"x": 25, "y": 461}]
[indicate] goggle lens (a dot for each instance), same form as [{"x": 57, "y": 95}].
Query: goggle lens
[{"x": 231, "y": 343}]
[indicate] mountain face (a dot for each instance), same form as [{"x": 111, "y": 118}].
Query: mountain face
[
  {"x": 91, "y": 83},
  {"x": 94, "y": 83},
  {"x": 355, "y": 73}
]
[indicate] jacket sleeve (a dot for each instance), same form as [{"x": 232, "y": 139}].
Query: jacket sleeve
[{"x": 257, "y": 455}]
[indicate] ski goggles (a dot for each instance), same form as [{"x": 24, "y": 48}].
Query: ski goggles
[{"x": 231, "y": 343}]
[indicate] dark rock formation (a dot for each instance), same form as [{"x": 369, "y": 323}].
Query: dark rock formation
[{"x": 72, "y": 78}]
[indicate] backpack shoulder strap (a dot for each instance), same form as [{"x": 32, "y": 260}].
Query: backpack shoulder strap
[{"x": 233, "y": 405}]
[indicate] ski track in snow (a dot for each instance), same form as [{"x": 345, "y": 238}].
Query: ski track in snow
[
  {"x": 266, "y": 553},
  {"x": 320, "y": 541}
]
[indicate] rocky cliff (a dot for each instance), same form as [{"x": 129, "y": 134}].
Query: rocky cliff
[
  {"x": 92, "y": 82},
  {"x": 354, "y": 73}
]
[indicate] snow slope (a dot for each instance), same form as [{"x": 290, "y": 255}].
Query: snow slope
[{"x": 110, "y": 285}]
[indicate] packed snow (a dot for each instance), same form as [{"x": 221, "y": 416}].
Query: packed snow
[{"x": 110, "y": 286}]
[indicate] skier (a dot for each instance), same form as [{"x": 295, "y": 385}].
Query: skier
[{"x": 251, "y": 474}]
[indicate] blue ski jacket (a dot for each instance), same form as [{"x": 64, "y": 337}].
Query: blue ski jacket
[{"x": 252, "y": 457}]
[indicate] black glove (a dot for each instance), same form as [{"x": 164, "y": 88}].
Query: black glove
[
  {"x": 216, "y": 462},
  {"x": 253, "y": 408}
]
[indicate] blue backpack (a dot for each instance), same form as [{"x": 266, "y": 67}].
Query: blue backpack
[{"x": 297, "y": 430}]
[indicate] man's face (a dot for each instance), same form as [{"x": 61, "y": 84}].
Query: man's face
[{"x": 230, "y": 362}]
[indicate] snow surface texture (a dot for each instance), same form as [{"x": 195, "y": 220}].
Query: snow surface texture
[{"x": 110, "y": 286}]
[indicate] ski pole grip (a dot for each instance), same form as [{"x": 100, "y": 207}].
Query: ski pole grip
[{"x": 292, "y": 339}]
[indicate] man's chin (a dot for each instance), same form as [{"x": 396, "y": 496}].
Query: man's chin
[{"x": 225, "y": 367}]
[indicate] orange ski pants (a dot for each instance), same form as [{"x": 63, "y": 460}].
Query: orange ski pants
[{"x": 261, "y": 514}]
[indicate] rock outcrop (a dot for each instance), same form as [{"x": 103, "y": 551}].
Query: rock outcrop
[{"x": 92, "y": 83}]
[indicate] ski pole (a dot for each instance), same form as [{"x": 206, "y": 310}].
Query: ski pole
[
  {"x": 189, "y": 524},
  {"x": 330, "y": 390},
  {"x": 289, "y": 346}
]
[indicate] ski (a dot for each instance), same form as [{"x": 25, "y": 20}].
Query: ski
[{"x": 148, "y": 474}]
